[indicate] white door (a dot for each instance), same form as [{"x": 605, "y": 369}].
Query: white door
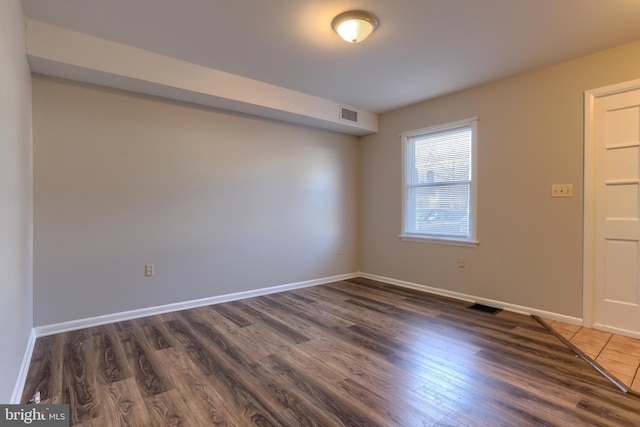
[{"x": 612, "y": 209}]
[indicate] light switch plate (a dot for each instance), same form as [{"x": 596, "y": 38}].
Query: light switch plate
[{"x": 562, "y": 190}]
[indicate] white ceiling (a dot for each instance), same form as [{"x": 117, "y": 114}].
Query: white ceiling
[{"x": 422, "y": 48}]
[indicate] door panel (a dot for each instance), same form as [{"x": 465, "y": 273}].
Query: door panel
[
  {"x": 616, "y": 213},
  {"x": 620, "y": 271}
]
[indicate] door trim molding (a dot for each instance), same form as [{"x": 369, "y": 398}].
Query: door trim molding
[{"x": 589, "y": 200}]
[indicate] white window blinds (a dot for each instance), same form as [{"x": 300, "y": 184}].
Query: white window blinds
[{"x": 439, "y": 186}]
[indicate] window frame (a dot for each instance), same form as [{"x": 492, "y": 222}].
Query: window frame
[{"x": 406, "y": 137}]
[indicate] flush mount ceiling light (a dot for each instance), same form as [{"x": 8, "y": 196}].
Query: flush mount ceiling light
[{"x": 355, "y": 25}]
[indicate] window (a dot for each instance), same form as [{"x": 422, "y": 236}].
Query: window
[{"x": 439, "y": 174}]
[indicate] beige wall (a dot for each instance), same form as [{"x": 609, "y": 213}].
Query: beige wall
[
  {"x": 530, "y": 136},
  {"x": 15, "y": 196},
  {"x": 220, "y": 203}
]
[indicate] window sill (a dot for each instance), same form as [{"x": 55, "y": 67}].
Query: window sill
[{"x": 439, "y": 241}]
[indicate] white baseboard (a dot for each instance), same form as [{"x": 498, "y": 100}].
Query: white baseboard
[
  {"x": 73, "y": 325},
  {"x": 617, "y": 331},
  {"x": 24, "y": 370},
  {"x": 475, "y": 299}
]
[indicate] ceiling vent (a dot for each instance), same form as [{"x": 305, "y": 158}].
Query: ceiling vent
[{"x": 348, "y": 115}]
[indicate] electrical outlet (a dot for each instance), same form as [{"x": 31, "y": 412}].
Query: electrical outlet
[
  {"x": 461, "y": 262},
  {"x": 339, "y": 251},
  {"x": 148, "y": 270},
  {"x": 562, "y": 190}
]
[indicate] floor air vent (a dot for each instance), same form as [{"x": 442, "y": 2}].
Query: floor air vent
[{"x": 485, "y": 309}]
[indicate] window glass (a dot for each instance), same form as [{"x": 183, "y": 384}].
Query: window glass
[{"x": 439, "y": 182}]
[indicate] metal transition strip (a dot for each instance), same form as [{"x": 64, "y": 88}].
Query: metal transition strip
[{"x": 586, "y": 358}]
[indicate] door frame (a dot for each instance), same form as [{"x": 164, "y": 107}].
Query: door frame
[{"x": 589, "y": 200}]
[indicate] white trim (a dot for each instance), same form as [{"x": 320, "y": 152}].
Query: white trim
[
  {"x": 475, "y": 299},
  {"x": 439, "y": 240},
  {"x": 617, "y": 331},
  {"x": 614, "y": 88},
  {"x": 472, "y": 235},
  {"x": 589, "y": 208},
  {"x": 24, "y": 370},
  {"x": 73, "y": 325},
  {"x": 473, "y": 221},
  {"x": 439, "y": 128},
  {"x": 133, "y": 314}
]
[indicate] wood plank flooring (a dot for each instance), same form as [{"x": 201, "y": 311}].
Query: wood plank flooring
[{"x": 351, "y": 353}]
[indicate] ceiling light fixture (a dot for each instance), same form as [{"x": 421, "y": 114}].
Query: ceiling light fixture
[{"x": 355, "y": 25}]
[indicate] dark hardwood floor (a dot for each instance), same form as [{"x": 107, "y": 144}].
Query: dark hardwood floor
[{"x": 352, "y": 353}]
